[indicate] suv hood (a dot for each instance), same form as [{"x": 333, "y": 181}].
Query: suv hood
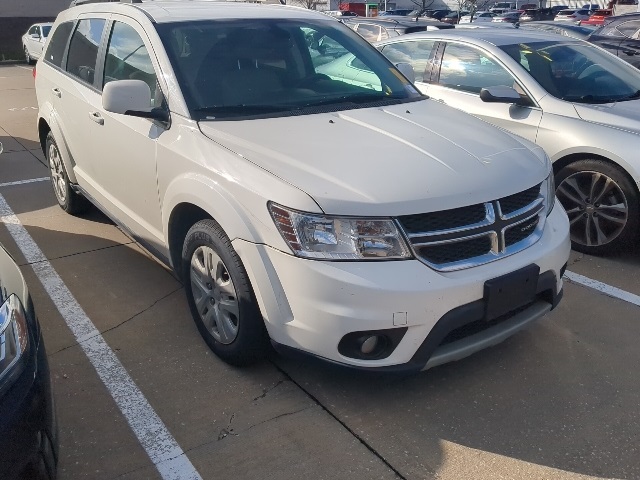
[
  {"x": 385, "y": 161},
  {"x": 625, "y": 115}
]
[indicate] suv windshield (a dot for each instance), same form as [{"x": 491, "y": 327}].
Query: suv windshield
[
  {"x": 577, "y": 72},
  {"x": 275, "y": 67}
]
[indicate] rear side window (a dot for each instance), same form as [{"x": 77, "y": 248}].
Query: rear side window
[
  {"x": 83, "y": 49},
  {"x": 58, "y": 43},
  {"x": 128, "y": 59}
]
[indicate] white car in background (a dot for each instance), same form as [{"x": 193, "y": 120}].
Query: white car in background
[
  {"x": 478, "y": 17},
  {"x": 34, "y": 41},
  {"x": 572, "y": 15}
]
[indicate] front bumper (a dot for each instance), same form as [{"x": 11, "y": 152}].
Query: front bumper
[{"x": 309, "y": 306}]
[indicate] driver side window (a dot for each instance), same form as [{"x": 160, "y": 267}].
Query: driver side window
[
  {"x": 468, "y": 69},
  {"x": 127, "y": 59}
]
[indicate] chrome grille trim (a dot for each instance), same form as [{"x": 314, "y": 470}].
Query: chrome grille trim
[{"x": 495, "y": 226}]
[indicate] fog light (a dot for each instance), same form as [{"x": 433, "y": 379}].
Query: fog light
[{"x": 369, "y": 344}]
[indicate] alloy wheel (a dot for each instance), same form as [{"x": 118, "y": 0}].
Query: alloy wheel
[
  {"x": 596, "y": 205},
  {"x": 214, "y": 295},
  {"x": 58, "y": 176}
]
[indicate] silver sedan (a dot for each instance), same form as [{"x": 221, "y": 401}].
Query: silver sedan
[{"x": 578, "y": 102}]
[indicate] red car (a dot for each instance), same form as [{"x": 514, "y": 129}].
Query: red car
[{"x": 597, "y": 18}]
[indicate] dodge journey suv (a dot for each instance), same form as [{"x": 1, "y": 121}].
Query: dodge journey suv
[{"x": 352, "y": 219}]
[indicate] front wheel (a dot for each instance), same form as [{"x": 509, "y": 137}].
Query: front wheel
[
  {"x": 602, "y": 205},
  {"x": 220, "y": 297}
]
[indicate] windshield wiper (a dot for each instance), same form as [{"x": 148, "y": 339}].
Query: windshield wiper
[
  {"x": 243, "y": 109},
  {"x": 352, "y": 98}
]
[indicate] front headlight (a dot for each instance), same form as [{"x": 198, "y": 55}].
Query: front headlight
[
  {"x": 325, "y": 237},
  {"x": 14, "y": 335},
  {"x": 549, "y": 192}
]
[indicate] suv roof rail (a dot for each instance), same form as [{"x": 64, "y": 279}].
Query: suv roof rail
[{"x": 75, "y": 3}]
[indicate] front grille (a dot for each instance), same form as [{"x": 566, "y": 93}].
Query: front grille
[
  {"x": 519, "y": 232},
  {"x": 445, "y": 220},
  {"x": 520, "y": 200},
  {"x": 477, "y": 234},
  {"x": 456, "y": 251}
]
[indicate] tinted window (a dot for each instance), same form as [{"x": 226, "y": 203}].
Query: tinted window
[
  {"x": 45, "y": 30},
  {"x": 58, "y": 43},
  {"x": 417, "y": 54},
  {"x": 83, "y": 49},
  {"x": 128, "y": 59},
  {"x": 470, "y": 70},
  {"x": 33, "y": 30},
  {"x": 577, "y": 72}
]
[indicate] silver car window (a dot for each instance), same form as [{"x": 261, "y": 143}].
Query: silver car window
[
  {"x": 469, "y": 69},
  {"x": 417, "y": 53}
]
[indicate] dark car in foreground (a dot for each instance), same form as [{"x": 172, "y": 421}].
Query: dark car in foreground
[
  {"x": 28, "y": 433},
  {"x": 620, "y": 35},
  {"x": 378, "y": 29}
]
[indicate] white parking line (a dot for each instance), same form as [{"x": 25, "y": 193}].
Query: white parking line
[
  {"x": 163, "y": 450},
  {"x": 22, "y": 182},
  {"x": 25, "y": 68},
  {"x": 603, "y": 287}
]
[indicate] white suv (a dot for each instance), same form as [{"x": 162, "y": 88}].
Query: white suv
[{"x": 359, "y": 222}]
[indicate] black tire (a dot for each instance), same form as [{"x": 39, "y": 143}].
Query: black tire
[
  {"x": 27, "y": 57},
  {"x": 250, "y": 343},
  {"x": 610, "y": 221},
  {"x": 70, "y": 201}
]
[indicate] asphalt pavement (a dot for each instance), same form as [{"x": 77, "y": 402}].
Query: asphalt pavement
[{"x": 560, "y": 400}]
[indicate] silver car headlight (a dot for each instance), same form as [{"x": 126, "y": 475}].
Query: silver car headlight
[
  {"x": 14, "y": 334},
  {"x": 327, "y": 237},
  {"x": 549, "y": 192}
]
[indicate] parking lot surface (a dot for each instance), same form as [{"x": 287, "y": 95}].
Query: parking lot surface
[{"x": 558, "y": 400}]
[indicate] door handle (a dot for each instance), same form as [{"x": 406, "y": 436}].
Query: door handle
[
  {"x": 96, "y": 117},
  {"x": 57, "y": 92}
]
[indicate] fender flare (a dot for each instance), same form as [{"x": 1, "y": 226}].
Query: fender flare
[{"x": 52, "y": 120}]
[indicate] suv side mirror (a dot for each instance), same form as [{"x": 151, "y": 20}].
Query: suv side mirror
[
  {"x": 407, "y": 70},
  {"x": 35, "y": 36},
  {"x": 502, "y": 94},
  {"x": 133, "y": 98}
]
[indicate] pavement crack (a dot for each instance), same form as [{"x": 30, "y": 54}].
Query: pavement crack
[
  {"x": 76, "y": 253},
  {"x": 123, "y": 322},
  {"x": 265, "y": 391},
  {"x": 286, "y": 414},
  {"x": 342, "y": 423}
]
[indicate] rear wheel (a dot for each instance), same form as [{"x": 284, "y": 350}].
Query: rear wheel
[
  {"x": 602, "y": 205},
  {"x": 220, "y": 296},
  {"x": 70, "y": 201},
  {"x": 27, "y": 57}
]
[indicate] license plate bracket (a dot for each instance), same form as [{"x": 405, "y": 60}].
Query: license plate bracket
[{"x": 511, "y": 291}]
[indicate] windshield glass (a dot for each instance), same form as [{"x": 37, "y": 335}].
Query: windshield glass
[
  {"x": 45, "y": 30},
  {"x": 577, "y": 72},
  {"x": 275, "y": 67}
]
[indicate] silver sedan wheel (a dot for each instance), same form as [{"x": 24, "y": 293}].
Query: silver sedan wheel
[
  {"x": 58, "y": 177},
  {"x": 596, "y": 206},
  {"x": 214, "y": 295}
]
